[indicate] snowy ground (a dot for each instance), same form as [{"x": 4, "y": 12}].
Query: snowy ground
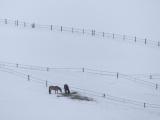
[
  {"x": 21, "y": 99},
  {"x": 29, "y": 100}
]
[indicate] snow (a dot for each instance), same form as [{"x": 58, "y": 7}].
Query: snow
[{"x": 29, "y": 100}]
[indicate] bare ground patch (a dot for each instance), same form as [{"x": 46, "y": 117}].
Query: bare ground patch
[{"x": 76, "y": 96}]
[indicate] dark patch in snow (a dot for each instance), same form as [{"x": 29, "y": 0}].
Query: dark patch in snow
[{"x": 76, "y": 96}]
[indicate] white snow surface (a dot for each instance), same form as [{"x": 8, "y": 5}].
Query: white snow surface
[{"x": 28, "y": 100}]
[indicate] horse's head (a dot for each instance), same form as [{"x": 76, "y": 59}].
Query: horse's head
[{"x": 60, "y": 90}]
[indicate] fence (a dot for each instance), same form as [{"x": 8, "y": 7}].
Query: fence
[
  {"x": 152, "y": 76},
  {"x": 116, "y": 75},
  {"x": 90, "y": 32},
  {"x": 108, "y": 97}
]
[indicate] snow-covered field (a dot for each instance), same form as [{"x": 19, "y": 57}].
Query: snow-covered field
[{"x": 29, "y": 100}]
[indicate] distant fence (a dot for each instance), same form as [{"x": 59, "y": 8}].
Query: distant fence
[
  {"x": 116, "y": 75},
  {"x": 107, "y": 96},
  {"x": 152, "y": 76},
  {"x": 83, "y": 31}
]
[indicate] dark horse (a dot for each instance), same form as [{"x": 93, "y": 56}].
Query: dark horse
[
  {"x": 66, "y": 89},
  {"x": 56, "y": 88}
]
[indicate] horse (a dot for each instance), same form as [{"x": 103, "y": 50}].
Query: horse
[
  {"x": 66, "y": 89},
  {"x": 56, "y": 88}
]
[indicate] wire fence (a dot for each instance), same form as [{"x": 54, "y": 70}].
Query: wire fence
[
  {"x": 116, "y": 75},
  {"x": 107, "y": 97},
  {"x": 83, "y": 31},
  {"x": 152, "y": 76}
]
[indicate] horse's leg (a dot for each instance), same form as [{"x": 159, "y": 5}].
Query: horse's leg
[
  {"x": 49, "y": 91},
  {"x": 65, "y": 91},
  {"x": 68, "y": 91}
]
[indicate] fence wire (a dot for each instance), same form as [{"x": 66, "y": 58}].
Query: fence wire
[
  {"x": 116, "y": 75},
  {"x": 89, "y": 92},
  {"x": 90, "y": 32}
]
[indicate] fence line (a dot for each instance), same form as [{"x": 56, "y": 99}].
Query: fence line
[
  {"x": 117, "y": 75},
  {"x": 83, "y": 31},
  {"x": 147, "y": 76},
  {"x": 89, "y": 92}
]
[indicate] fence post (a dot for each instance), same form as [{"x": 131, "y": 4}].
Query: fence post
[
  {"x": 104, "y": 95},
  {"x": 83, "y": 31},
  {"x": 24, "y": 24},
  {"x": 158, "y": 43},
  {"x": 156, "y": 86},
  {"x": 46, "y": 83},
  {"x": 16, "y": 23},
  {"x": 93, "y": 32},
  {"x": 5, "y": 21},
  {"x": 17, "y": 65},
  {"x": 124, "y": 37},
  {"x": 113, "y": 36},
  {"x": 103, "y": 34},
  {"x": 28, "y": 76},
  {"x": 51, "y": 27},
  {"x": 144, "y": 105},
  {"x": 47, "y": 69},
  {"x": 72, "y": 30},
  {"x": 117, "y": 75},
  {"x": 82, "y": 69},
  {"x": 145, "y": 41},
  {"x": 33, "y": 25},
  {"x": 61, "y": 28},
  {"x": 135, "y": 38},
  {"x": 150, "y": 77}
]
